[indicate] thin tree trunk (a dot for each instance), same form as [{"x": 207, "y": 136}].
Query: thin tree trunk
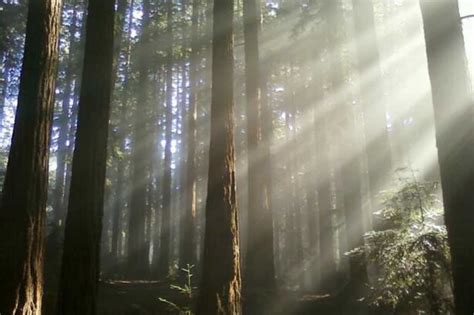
[
  {"x": 4, "y": 89},
  {"x": 137, "y": 249},
  {"x": 25, "y": 190},
  {"x": 58, "y": 201},
  {"x": 259, "y": 260},
  {"x": 165, "y": 249},
  {"x": 349, "y": 161},
  {"x": 121, "y": 165},
  {"x": 80, "y": 265},
  {"x": 74, "y": 108},
  {"x": 189, "y": 243},
  {"x": 378, "y": 144}
]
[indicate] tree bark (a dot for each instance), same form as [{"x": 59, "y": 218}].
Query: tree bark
[
  {"x": 454, "y": 116},
  {"x": 80, "y": 264},
  {"x": 25, "y": 190},
  {"x": 220, "y": 285}
]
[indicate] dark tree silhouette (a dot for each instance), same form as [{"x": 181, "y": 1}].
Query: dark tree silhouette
[
  {"x": 80, "y": 264},
  {"x": 454, "y": 116},
  {"x": 23, "y": 200}
]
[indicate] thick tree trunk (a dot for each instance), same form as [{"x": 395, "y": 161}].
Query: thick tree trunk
[
  {"x": 259, "y": 263},
  {"x": 454, "y": 116},
  {"x": 80, "y": 265},
  {"x": 220, "y": 285},
  {"x": 23, "y": 203}
]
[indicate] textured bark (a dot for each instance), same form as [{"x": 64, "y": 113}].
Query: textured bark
[
  {"x": 378, "y": 144},
  {"x": 220, "y": 285},
  {"x": 80, "y": 264},
  {"x": 137, "y": 250},
  {"x": 23, "y": 203},
  {"x": 454, "y": 115},
  {"x": 259, "y": 260}
]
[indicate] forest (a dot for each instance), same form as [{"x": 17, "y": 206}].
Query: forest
[{"x": 236, "y": 157}]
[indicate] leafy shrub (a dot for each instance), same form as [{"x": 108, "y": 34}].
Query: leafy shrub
[{"x": 410, "y": 254}]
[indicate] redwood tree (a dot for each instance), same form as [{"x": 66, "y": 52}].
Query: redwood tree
[
  {"x": 220, "y": 285},
  {"x": 454, "y": 116},
  {"x": 23, "y": 203},
  {"x": 80, "y": 264}
]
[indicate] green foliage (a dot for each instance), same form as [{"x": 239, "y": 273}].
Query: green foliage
[
  {"x": 411, "y": 257},
  {"x": 185, "y": 289}
]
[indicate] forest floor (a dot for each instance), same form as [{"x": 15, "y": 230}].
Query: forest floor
[{"x": 143, "y": 298}]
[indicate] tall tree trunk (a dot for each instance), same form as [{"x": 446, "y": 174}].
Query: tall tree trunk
[
  {"x": 4, "y": 89},
  {"x": 80, "y": 265},
  {"x": 119, "y": 204},
  {"x": 165, "y": 238},
  {"x": 137, "y": 249},
  {"x": 189, "y": 243},
  {"x": 454, "y": 115},
  {"x": 323, "y": 175},
  {"x": 58, "y": 201},
  {"x": 158, "y": 114},
  {"x": 327, "y": 258},
  {"x": 220, "y": 285},
  {"x": 350, "y": 164},
  {"x": 74, "y": 108},
  {"x": 312, "y": 189},
  {"x": 377, "y": 140},
  {"x": 25, "y": 190},
  {"x": 259, "y": 261}
]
